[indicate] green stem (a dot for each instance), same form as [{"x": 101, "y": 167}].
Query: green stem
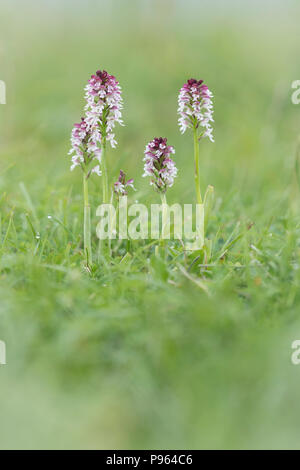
[
  {"x": 164, "y": 217},
  {"x": 197, "y": 170},
  {"x": 87, "y": 223},
  {"x": 105, "y": 198},
  {"x": 128, "y": 244},
  {"x": 103, "y": 246}
]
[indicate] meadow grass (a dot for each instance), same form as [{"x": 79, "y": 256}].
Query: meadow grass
[{"x": 147, "y": 352}]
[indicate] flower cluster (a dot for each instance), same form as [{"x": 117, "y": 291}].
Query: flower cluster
[
  {"x": 121, "y": 185},
  {"x": 195, "y": 107},
  {"x": 102, "y": 112},
  {"x": 159, "y": 165},
  {"x": 104, "y": 104},
  {"x": 84, "y": 148}
]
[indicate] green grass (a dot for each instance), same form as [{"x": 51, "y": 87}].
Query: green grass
[{"x": 138, "y": 355}]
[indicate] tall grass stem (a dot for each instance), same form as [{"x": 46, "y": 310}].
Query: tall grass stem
[
  {"x": 87, "y": 223},
  {"x": 197, "y": 169}
]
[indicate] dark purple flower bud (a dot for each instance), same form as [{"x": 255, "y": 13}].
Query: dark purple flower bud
[{"x": 121, "y": 185}]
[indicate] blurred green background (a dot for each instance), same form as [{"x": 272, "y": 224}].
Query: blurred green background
[{"x": 129, "y": 359}]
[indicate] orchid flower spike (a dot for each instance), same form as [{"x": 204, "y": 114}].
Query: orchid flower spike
[
  {"x": 103, "y": 108},
  {"x": 159, "y": 165},
  {"x": 85, "y": 151},
  {"x": 195, "y": 108}
]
